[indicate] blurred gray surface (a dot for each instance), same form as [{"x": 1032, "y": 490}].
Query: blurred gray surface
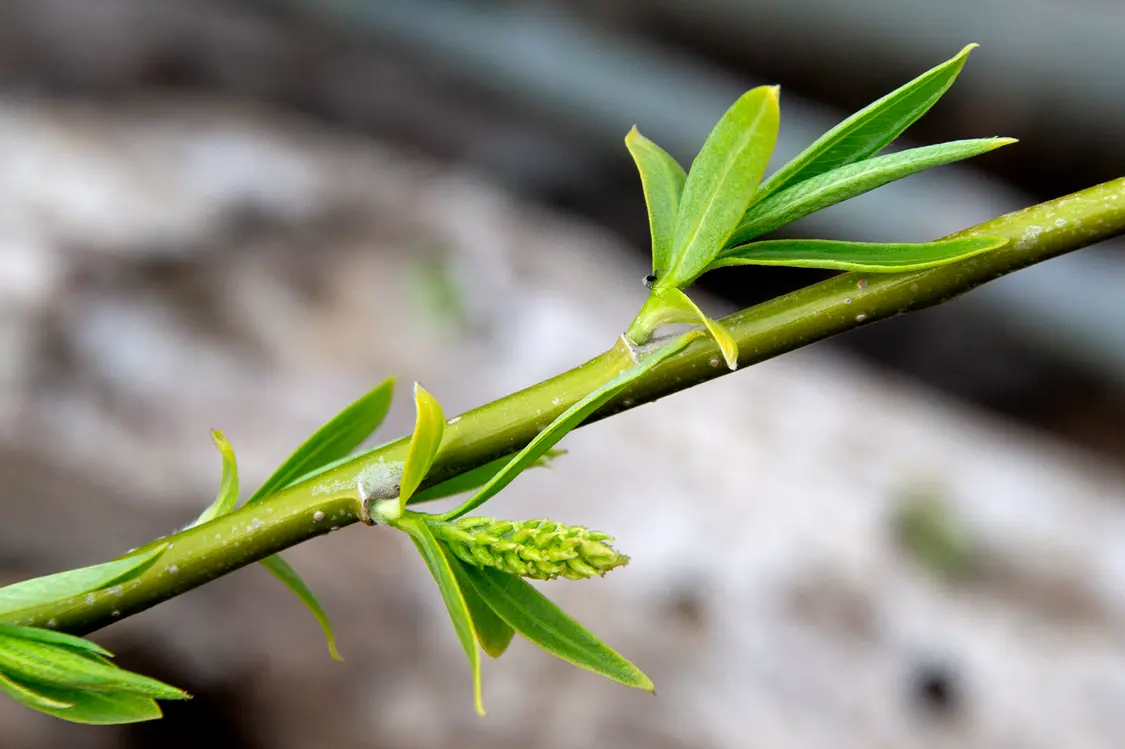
[
  {"x": 542, "y": 95},
  {"x": 185, "y": 265},
  {"x": 599, "y": 84}
]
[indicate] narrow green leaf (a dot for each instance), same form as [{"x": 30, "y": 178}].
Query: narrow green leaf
[
  {"x": 663, "y": 182},
  {"x": 51, "y": 665},
  {"x": 532, "y": 614},
  {"x": 476, "y": 478},
  {"x": 833, "y": 187},
  {"x": 436, "y": 559},
  {"x": 429, "y": 426},
  {"x": 82, "y": 706},
  {"x": 286, "y": 574},
  {"x": 493, "y": 633},
  {"x": 280, "y": 569},
  {"x": 721, "y": 183},
  {"x": 869, "y": 130},
  {"x": 28, "y": 696},
  {"x": 62, "y": 585},
  {"x": 565, "y": 422},
  {"x": 722, "y": 337},
  {"x": 54, "y": 638},
  {"x": 344, "y": 433},
  {"x": 353, "y": 456},
  {"x": 332, "y": 442},
  {"x": 868, "y": 257},
  {"x": 103, "y": 708},
  {"x": 228, "y": 484}
]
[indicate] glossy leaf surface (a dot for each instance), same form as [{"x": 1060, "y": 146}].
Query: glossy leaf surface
[
  {"x": 859, "y": 256},
  {"x": 44, "y": 663},
  {"x": 671, "y": 306},
  {"x": 534, "y": 616},
  {"x": 333, "y": 441},
  {"x": 562, "y": 425},
  {"x": 280, "y": 569},
  {"x": 662, "y": 179},
  {"x": 493, "y": 633},
  {"x": 227, "y": 497},
  {"x": 476, "y": 478},
  {"x": 870, "y": 130},
  {"x": 82, "y": 706},
  {"x": 62, "y": 585},
  {"x": 52, "y": 637},
  {"x": 438, "y": 562},
  {"x": 847, "y": 182},
  {"x": 721, "y": 183},
  {"x": 429, "y": 426}
]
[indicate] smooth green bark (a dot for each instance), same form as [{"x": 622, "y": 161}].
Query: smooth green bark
[{"x": 329, "y": 501}]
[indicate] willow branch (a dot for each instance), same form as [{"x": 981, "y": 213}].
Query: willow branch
[{"x": 329, "y": 501}]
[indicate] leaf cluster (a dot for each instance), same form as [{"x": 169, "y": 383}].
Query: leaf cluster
[
  {"x": 334, "y": 441},
  {"x": 70, "y": 677},
  {"x": 713, "y": 215},
  {"x": 487, "y": 602}
]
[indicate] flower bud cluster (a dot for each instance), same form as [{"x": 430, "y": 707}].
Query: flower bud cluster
[{"x": 537, "y": 549}]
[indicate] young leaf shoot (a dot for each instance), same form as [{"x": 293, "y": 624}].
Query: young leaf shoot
[{"x": 721, "y": 183}]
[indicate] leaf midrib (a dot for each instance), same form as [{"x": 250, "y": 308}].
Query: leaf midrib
[{"x": 748, "y": 134}]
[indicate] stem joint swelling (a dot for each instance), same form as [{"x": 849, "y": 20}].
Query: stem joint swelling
[{"x": 376, "y": 505}]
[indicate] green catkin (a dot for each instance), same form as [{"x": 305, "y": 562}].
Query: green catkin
[{"x": 536, "y": 549}]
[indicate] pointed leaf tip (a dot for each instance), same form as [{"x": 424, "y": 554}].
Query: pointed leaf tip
[
  {"x": 478, "y": 477},
  {"x": 282, "y": 570},
  {"x": 53, "y": 665},
  {"x": 328, "y": 445},
  {"x": 564, "y": 423},
  {"x": 227, "y": 497},
  {"x": 866, "y": 257},
  {"x": 721, "y": 183},
  {"x": 662, "y": 179},
  {"x": 846, "y": 182},
  {"x": 62, "y": 585},
  {"x": 871, "y": 129},
  {"x": 539, "y": 620},
  {"x": 332, "y": 442},
  {"x": 429, "y": 428},
  {"x": 727, "y": 344},
  {"x": 82, "y": 706}
]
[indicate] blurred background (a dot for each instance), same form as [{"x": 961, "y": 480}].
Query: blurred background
[{"x": 241, "y": 214}]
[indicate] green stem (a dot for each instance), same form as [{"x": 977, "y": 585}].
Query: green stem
[{"x": 329, "y": 500}]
